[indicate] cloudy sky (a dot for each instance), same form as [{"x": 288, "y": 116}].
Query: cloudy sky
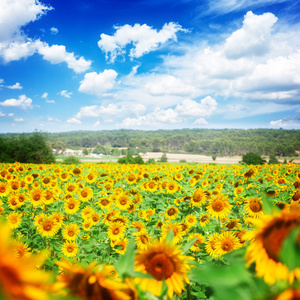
[{"x": 140, "y": 64}]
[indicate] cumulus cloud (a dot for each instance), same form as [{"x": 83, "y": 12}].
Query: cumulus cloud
[
  {"x": 2, "y": 114},
  {"x": 200, "y": 121},
  {"x": 96, "y": 111},
  {"x": 73, "y": 121},
  {"x": 14, "y": 14},
  {"x": 57, "y": 54},
  {"x": 98, "y": 84},
  {"x": 16, "y": 86},
  {"x": 254, "y": 38},
  {"x": 142, "y": 37},
  {"x": 65, "y": 93},
  {"x": 23, "y": 102},
  {"x": 45, "y": 95}
]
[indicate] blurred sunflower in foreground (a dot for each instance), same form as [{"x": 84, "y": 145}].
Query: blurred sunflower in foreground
[
  {"x": 163, "y": 261},
  {"x": 266, "y": 246},
  {"x": 19, "y": 276}
]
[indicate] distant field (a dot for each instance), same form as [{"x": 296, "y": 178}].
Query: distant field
[{"x": 176, "y": 157}]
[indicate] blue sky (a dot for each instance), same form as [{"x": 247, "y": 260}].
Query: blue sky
[{"x": 159, "y": 64}]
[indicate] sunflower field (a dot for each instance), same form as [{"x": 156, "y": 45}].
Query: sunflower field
[{"x": 157, "y": 231}]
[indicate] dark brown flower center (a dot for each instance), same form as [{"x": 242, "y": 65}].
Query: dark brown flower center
[
  {"x": 160, "y": 266},
  {"x": 218, "y": 205}
]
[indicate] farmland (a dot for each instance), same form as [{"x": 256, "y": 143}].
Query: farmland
[{"x": 175, "y": 220}]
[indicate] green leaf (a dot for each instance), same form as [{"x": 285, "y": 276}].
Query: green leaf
[
  {"x": 268, "y": 206},
  {"x": 170, "y": 236},
  {"x": 188, "y": 245},
  {"x": 290, "y": 250},
  {"x": 125, "y": 265}
]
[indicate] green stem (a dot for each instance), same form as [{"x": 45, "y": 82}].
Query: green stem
[{"x": 188, "y": 292}]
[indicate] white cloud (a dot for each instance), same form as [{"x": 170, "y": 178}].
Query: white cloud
[
  {"x": 49, "y": 101},
  {"x": 73, "y": 121},
  {"x": 18, "y": 120},
  {"x": 57, "y": 54},
  {"x": 96, "y": 124},
  {"x": 54, "y": 30},
  {"x": 285, "y": 123},
  {"x": 11, "y": 114},
  {"x": 16, "y": 13},
  {"x": 97, "y": 84},
  {"x": 22, "y": 102},
  {"x": 168, "y": 85},
  {"x": 97, "y": 111},
  {"x": 16, "y": 86},
  {"x": 50, "y": 119},
  {"x": 65, "y": 93},
  {"x": 137, "y": 109},
  {"x": 143, "y": 38},
  {"x": 200, "y": 121},
  {"x": 45, "y": 95},
  {"x": 191, "y": 108},
  {"x": 2, "y": 114},
  {"x": 254, "y": 38}
]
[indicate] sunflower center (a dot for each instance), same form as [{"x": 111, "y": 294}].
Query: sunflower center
[
  {"x": 71, "y": 188},
  {"x": 144, "y": 239},
  {"x": 218, "y": 205},
  {"x": 71, "y": 233},
  {"x": 123, "y": 202},
  {"x": 116, "y": 231},
  {"x": 160, "y": 266},
  {"x": 171, "y": 212},
  {"x": 71, "y": 205},
  {"x": 13, "y": 220},
  {"x": 104, "y": 202},
  {"x": 47, "y": 227},
  {"x": 46, "y": 180},
  {"x": 37, "y": 197},
  {"x": 227, "y": 246},
  {"x": 2, "y": 189},
  {"x": 84, "y": 194},
  {"x": 76, "y": 171},
  {"x": 255, "y": 206},
  {"x": 70, "y": 249},
  {"x": 197, "y": 197},
  {"x": 274, "y": 235}
]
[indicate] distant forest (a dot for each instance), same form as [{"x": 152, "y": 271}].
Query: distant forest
[{"x": 221, "y": 142}]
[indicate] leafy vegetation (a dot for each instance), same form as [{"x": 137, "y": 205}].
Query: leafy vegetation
[{"x": 252, "y": 158}]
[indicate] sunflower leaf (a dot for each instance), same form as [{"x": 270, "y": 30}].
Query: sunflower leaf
[
  {"x": 268, "y": 206},
  {"x": 290, "y": 250},
  {"x": 170, "y": 236},
  {"x": 125, "y": 265},
  {"x": 188, "y": 245}
]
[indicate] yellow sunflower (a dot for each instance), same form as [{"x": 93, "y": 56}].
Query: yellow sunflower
[
  {"x": 172, "y": 187},
  {"x": 94, "y": 217},
  {"x": 171, "y": 213},
  {"x": 177, "y": 230},
  {"x": 142, "y": 239},
  {"x": 116, "y": 231},
  {"x": 266, "y": 245},
  {"x": 219, "y": 207},
  {"x": 69, "y": 249},
  {"x": 14, "y": 220},
  {"x": 70, "y": 231},
  {"x": 123, "y": 202},
  {"x": 254, "y": 207},
  {"x": 199, "y": 197},
  {"x": 88, "y": 283},
  {"x": 37, "y": 197},
  {"x": 48, "y": 227},
  {"x": 13, "y": 201},
  {"x": 210, "y": 245},
  {"x": 200, "y": 240},
  {"x": 120, "y": 246},
  {"x": 71, "y": 206},
  {"x": 163, "y": 261},
  {"x": 139, "y": 225},
  {"x": 85, "y": 194},
  {"x": 70, "y": 188},
  {"x": 104, "y": 203},
  {"x": 289, "y": 294},
  {"x": 21, "y": 249},
  {"x": 191, "y": 220},
  {"x": 226, "y": 242},
  {"x": 4, "y": 189}
]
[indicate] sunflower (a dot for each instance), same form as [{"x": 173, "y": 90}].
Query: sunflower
[
  {"x": 76, "y": 171},
  {"x": 71, "y": 206},
  {"x": 88, "y": 283},
  {"x": 13, "y": 201},
  {"x": 191, "y": 220},
  {"x": 86, "y": 225},
  {"x": 69, "y": 249},
  {"x": 59, "y": 217},
  {"x": 226, "y": 242},
  {"x": 142, "y": 239},
  {"x": 151, "y": 186},
  {"x": 94, "y": 217},
  {"x": 48, "y": 227},
  {"x": 265, "y": 248},
  {"x": 37, "y": 197},
  {"x": 171, "y": 213},
  {"x": 138, "y": 225},
  {"x": 210, "y": 245},
  {"x": 204, "y": 219},
  {"x": 219, "y": 207},
  {"x": 104, "y": 203},
  {"x": 254, "y": 207},
  {"x": 85, "y": 194},
  {"x": 177, "y": 230},
  {"x": 131, "y": 178},
  {"x": 70, "y": 231},
  {"x": 19, "y": 277},
  {"x": 70, "y": 188},
  {"x": 116, "y": 231},
  {"x": 163, "y": 261},
  {"x": 172, "y": 187},
  {"x": 200, "y": 240},
  {"x": 289, "y": 294},
  {"x": 123, "y": 202},
  {"x": 14, "y": 220},
  {"x": 91, "y": 177},
  {"x": 39, "y": 219},
  {"x": 4, "y": 189},
  {"x": 86, "y": 212},
  {"x": 21, "y": 249},
  {"x": 120, "y": 246},
  {"x": 199, "y": 197}
]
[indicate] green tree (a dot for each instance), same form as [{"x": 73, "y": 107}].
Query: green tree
[
  {"x": 71, "y": 160},
  {"x": 252, "y": 158},
  {"x": 273, "y": 160},
  {"x": 164, "y": 158},
  {"x": 85, "y": 151}
]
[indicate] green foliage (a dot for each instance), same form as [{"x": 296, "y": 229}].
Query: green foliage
[
  {"x": 214, "y": 156},
  {"x": 164, "y": 158},
  {"x": 273, "y": 160},
  {"x": 71, "y": 160},
  {"x": 26, "y": 149},
  {"x": 129, "y": 159},
  {"x": 151, "y": 161},
  {"x": 85, "y": 151},
  {"x": 252, "y": 158}
]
